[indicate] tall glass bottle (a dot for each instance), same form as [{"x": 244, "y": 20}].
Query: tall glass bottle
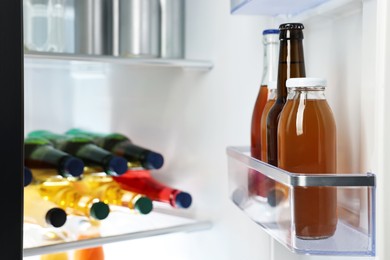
[
  {"x": 61, "y": 191},
  {"x": 257, "y": 181},
  {"x": 107, "y": 190},
  {"x": 122, "y": 146},
  {"x": 267, "y": 107},
  {"x": 141, "y": 181},
  {"x": 86, "y": 150},
  {"x": 40, "y": 153},
  {"x": 291, "y": 65}
]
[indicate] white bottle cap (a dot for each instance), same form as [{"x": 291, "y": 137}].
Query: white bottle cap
[
  {"x": 272, "y": 85},
  {"x": 306, "y": 82}
]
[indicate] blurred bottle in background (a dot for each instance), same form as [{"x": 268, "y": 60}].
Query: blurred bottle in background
[
  {"x": 40, "y": 211},
  {"x": 39, "y": 153},
  {"x": 141, "y": 181},
  {"x": 122, "y": 146},
  {"x": 36, "y": 24},
  {"x": 107, "y": 190},
  {"x": 83, "y": 147},
  {"x": 56, "y": 26}
]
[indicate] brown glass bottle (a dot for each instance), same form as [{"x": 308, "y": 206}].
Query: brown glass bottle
[{"x": 291, "y": 65}]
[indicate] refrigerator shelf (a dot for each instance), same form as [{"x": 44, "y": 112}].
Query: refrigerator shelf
[
  {"x": 201, "y": 65},
  {"x": 354, "y": 193},
  {"x": 299, "y": 9},
  {"x": 119, "y": 226}
]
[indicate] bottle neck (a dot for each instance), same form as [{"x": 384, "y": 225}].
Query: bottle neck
[
  {"x": 270, "y": 57},
  {"x": 305, "y": 93},
  {"x": 291, "y": 65}
]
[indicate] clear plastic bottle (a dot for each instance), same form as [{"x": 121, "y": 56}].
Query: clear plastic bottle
[{"x": 307, "y": 144}]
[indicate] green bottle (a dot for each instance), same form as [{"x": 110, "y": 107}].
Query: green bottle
[
  {"x": 122, "y": 146},
  {"x": 40, "y": 153},
  {"x": 84, "y": 148}
]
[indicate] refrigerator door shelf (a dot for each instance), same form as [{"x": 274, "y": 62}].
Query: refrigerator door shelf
[
  {"x": 48, "y": 58},
  {"x": 351, "y": 198},
  {"x": 120, "y": 225}
]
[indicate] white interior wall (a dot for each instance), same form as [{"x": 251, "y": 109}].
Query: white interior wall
[{"x": 192, "y": 116}]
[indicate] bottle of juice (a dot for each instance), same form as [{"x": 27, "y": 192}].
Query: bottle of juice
[
  {"x": 40, "y": 211},
  {"x": 257, "y": 181},
  {"x": 307, "y": 144},
  {"x": 263, "y": 123},
  {"x": 142, "y": 182},
  {"x": 107, "y": 190},
  {"x": 61, "y": 191}
]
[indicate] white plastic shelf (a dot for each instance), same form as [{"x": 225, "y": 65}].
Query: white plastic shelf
[
  {"x": 352, "y": 201},
  {"x": 119, "y": 226},
  {"x": 41, "y": 57}
]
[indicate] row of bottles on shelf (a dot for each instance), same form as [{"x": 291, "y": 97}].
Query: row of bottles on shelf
[
  {"x": 129, "y": 28},
  {"x": 293, "y": 128},
  {"x": 73, "y": 174}
]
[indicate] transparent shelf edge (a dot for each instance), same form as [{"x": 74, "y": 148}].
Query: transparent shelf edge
[
  {"x": 301, "y": 11},
  {"x": 241, "y": 153},
  {"x": 64, "y": 246},
  {"x": 349, "y": 206},
  {"x": 155, "y": 62}
]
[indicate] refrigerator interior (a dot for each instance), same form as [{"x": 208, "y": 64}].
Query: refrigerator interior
[{"x": 191, "y": 116}]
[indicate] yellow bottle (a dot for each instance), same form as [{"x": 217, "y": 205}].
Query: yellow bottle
[
  {"x": 63, "y": 193},
  {"x": 40, "y": 211},
  {"x": 107, "y": 190}
]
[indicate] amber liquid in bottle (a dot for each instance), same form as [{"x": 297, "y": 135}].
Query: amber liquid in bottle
[
  {"x": 263, "y": 128},
  {"x": 307, "y": 144},
  {"x": 258, "y": 183}
]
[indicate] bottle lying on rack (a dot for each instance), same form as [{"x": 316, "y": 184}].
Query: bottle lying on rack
[
  {"x": 122, "y": 146},
  {"x": 141, "y": 181},
  {"x": 40, "y": 153},
  {"x": 86, "y": 150},
  {"x": 40, "y": 211},
  {"x": 62, "y": 192},
  {"x": 27, "y": 178},
  {"x": 107, "y": 190}
]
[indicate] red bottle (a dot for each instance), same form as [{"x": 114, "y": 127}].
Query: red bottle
[{"x": 142, "y": 182}]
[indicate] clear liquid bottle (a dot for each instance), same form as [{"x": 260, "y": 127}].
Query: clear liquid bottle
[
  {"x": 142, "y": 182},
  {"x": 108, "y": 191},
  {"x": 307, "y": 144},
  {"x": 83, "y": 148},
  {"x": 123, "y": 146},
  {"x": 258, "y": 182},
  {"x": 61, "y": 191}
]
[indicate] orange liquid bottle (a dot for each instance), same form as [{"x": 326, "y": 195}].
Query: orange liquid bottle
[
  {"x": 267, "y": 107},
  {"x": 307, "y": 144},
  {"x": 257, "y": 181}
]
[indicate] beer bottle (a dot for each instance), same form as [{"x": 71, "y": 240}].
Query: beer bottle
[
  {"x": 123, "y": 146},
  {"x": 86, "y": 150}
]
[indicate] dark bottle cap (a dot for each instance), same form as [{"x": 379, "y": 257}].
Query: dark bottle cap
[
  {"x": 270, "y": 31},
  {"x": 291, "y": 31},
  {"x": 73, "y": 166},
  {"x": 27, "y": 178},
  {"x": 118, "y": 165},
  {"x": 274, "y": 197},
  {"x": 56, "y": 217},
  {"x": 99, "y": 210},
  {"x": 153, "y": 160},
  {"x": 183, "y": 200},
  {"x": 144, "y": 205}
]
